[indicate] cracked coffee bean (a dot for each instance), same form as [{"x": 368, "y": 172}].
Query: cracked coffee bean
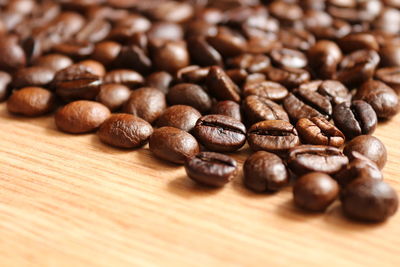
[{"x": 319, "y": 131}]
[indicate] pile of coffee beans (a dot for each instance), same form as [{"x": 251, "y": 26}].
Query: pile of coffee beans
[{"x": 303, "y": 82}]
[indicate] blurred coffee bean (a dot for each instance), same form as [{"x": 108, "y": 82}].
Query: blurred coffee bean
[
  {"x": 368, "y": 146},
  {"x": 283, "y": 57},
  {"x": 12, "y": 55},
  {"x": 5, "y": 80},
  {"x": 221, "y": 86},
  {"x": 288, "y": 77},
  {"x": 227, "y": 108},
  {"x": 127, "y": 77},
  {"x": 113, "y": 95},
  {"x": 324, "y": 57},
  {"x": 106, "y": 52},
  {"x": 171, "y": 56},
  {"x": 179, "y": 116},
  {"x": 31, "y": 101},
  {"x": 271, "y": 90},
  {"x": 258, "y": 108},
  {"x": 55, "y": 62},
  {"x": 191, "y": 95},
  {"x": 390, "y": 76},
  {"x": 160, "y": 80},
  {"x": 33, "y": 76}
]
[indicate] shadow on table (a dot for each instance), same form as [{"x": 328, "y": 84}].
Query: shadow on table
[{"x": 186, "y": 188}]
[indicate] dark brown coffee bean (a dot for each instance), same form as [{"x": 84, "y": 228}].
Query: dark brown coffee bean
[
  {"x": 81, "y": 116},
  {"x": 315, "y": 191},
  {"x": 390, "y": 76},
  {"x": 228, "y": 44},
  {"x": 173, "y": 144},
  {"x": 296, "y": 38},
  {"x": 211, "y": 169},
  {"x": 221, "y": 86},
  {"x": 355, "y": 119},
  {"x": 74, "y": 49},
  {"x": 55, "y": 62},
  {"x": 127, "y": 77},
  {"x": 238, "y": 76},
  {"x": 133, "y": 57},
  {"x": 250, "y": 62},
  {"x": 113, "y": 95},
  {"x": 227, "y": 108},
  {"x": 276, "y": 136},
  {"x": 202, "y": 53},
  {"x": 265, "y": 172},
  {"x": 357, "y": 67},
  {"x": 94, "y": 31},
  {"x": 335, "y": 91},
  {"x": 171, "y": 56},
  {"x": 193, "y": 74},
  {"x": 356, "y": 41},
  {"x": 160, "y": 80},
  {"x": 297, "y": 109},
  {"x": 370, "y": 147},
  {"x": 125, "y": 131},
  {"x": 31, "y": 101},
  {"x": 76, "y": 82},
  {"x": 369, "y": 200},
  {"x": 390, "y": 55},
  {"x": 179, "y": 116},
  {"x": 311, "y": 158},
  {"x": 283, "y": 57},
  {"x": 191, "y": 95},
  {"x": 171, "y": 11},
  {"x": 288, "y": 77},
  {"x": 381, "y": 97},
  {"x": 106, "y": 52},
  {"x": 220, "y": 133},
  {"x": 33, "y": 76},
  {"x": 5, "y": 80},
  {"x": 146, "y": 103},
  {"x": 258, "y": 108},
  {"x": 319, "y": 131},
  {"x": 200, "y": 28},
  {"x": 271, "y": 90},
  {"x": 285, "y": 11},
  {"x": 12, "y": 55},
  {"x": 324, "y": 57},
  {"x": 94, "y": 66}
]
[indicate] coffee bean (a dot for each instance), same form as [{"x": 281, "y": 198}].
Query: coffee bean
[
  {"x": 127, "y": 77},
  {"x": 311, "y": 158},
  {"x": 276, "y": 136},
  {"x": 125, "y": 131},
  {"x": 113, "y": 95},
  {"x": 271, "y": 90},
  {"x": 81, "y": 116},
  {"x": 381, "y": 97},
  {"x": 288, "y": 77},
  {"x": 221, "y": 86},
  {"x": 56, "y": 62},
  {"x": 171, "y": 56},
  {"x": 74, "y": 49},
  {"x": 356, "y": 41},
  {"x": 173, "y": 144},
  {"x": 355, "y": 119},
  {"x": 315, "y": 191},
  {"x": 296, "y": 38},
  {"x": 250, "y": 62},
  {"x": 369, "y": 200},
  {"x": 227, "y": 108},
  {"x": 171, "y": 11},
  {"x": 338, "y": 29},
  {"x": 191, "y": 95},
  {"x": 179, "y": 116},
  {"x": 94, "y": 66},
  {"x": 324, "y": 57},
  {"x": 258, "y": 108},
  {"x": 283, "y": 57},
  {"x": 335, "y": 91},
  {"x": 5, "y": 80},
  {"x": 390, "y": 76},
  {"x": 220, "y": 133},
  {"x": 31, "y": 101},
  {"x": 94, "y": 31},
  {"x": 228, "y": 44},
  {"x": 238, "y": 76},
  {"x": 370, "y": 147},
  {"x": 146, "y": 103},
  {"x": 193, "y": 74},
  {"x": 298, "y": 109},
  {"x": 265, "y": 172},
  {"x": 33, "y": 76},
  {"x": 133, "y": 57},
  {"x": 12, "y": 55},
  {"x": 202, "y": 53},
  {"x": 106, "y": 52},
  {"x": 390, "y": 55},
  {"x": 211, "y": 169},
  {"x": 160, "y": 80},
  {"x": 286, "y": 12},
  {"x": 319, "y": 131},
  {"x": 167, "y": 31}
]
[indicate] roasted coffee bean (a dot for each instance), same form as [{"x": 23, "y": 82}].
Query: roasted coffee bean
[
  {"x": 173, "y": 144},
  {"x": 265, "y": 172},
  {"x": 5, "y": 80},
  {"x": 211, "y": 169},
  {"x": 359, "y": 167},
  {"x": 76, "y": 82},
  {"x": 171, "y": 56},
  {"x": 355, "y": 119},
  {"x": 31, "y": 101},
  {"x": 160, "y": 80},
  {"x": 250, "y": 62},
  {"x": 258, "y": 108},
  {"x": 33, "y": 76},
  {"x": 357, "y": 67},
  {"x": 288, "y": 77},
  {"x": 74, "y": 49},
  {"x": 324, "y": 57},
  {"x": 238, "y": 76},
  {"x": 179, "y": 116},
  {"x": 113, "y": 95},
  {"x": 125, "y": 131},
  {"x": 228, "y": 44},
  {"x": 171, "y": 11},
  {"x": 381, "y": 97},
  {"x": 12, "y": 55},
  {"x": 227, "y": 108},
  {"x": 220, "y": 133},
  {"x": 370, "y": 147},
  {"x": 390, "y": 76},
  {"x": 166, "y": 31},
  {"x": 106, "y": 52},
  {"x": 202, "y": 53},
  {"x": 192, "y": 74},
  {"x": 315, "y": 191},
  {"x": 191, "y": 95},
  {"x": 296, "y": 38},
  {"x": 335, "y": 91},
  {"x": 127, "y": 77},
  {"x": 56, "y": 62},
  {"x": 94, "y": 66},
  {"x": 311, "y": 158},
  {"x": 81, "y": 116},
  {"x": 297, "y": 109},
  {"x": 357, "y": 41},
  {"x": 147, "y": 103},
  {"x": 369, "y": 200},
  {"x": 221, "y": 86},
  {"x": 390, "y": 55},
  {"x": 276, "y": 136},
  {"x": 285, "y": 12},
  {"x": 284, "y": 57},
  {"x": 94, "y": 31},
  {"x": 133, "y": 57},
  {"x": 271, "y": 90},
  {"x": 200, "y": 28},
  {"x": 319, "y": 131}
]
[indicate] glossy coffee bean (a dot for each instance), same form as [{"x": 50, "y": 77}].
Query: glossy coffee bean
[
  {"x": 146, "y": 103},
  {"x": 227, "y": 108},
  {"x": 55, "y": 62},
  {"x": 355, "y": 119},
  {"x": 258, "y": 108},
  {"x": 324, "y": 57},
  {"x": 249, "y": 62},
  {"x": 265, "y": 172},
  {"x": 127, "y": 77},
  {"x": 390, "y": 55},
  {"x": 94, "y": 66},
  {"x": 31, "y": 101},
  {"x": 297, "y": 109},
  {"x": 211, "y": 169},
  {"x": 202, "y": 53},
  {"x": 315, "y": 191},
  {"x": 220, "y": 133},
  {"x": 335, "y": 91},
  {"x": 276, "y": 136},
  {"x": 5, "y": 80},
  {"x": 173, "y": 144},
  {"x": 357, "y": 41},
  {"x": 179, "y": 116},
  {"x": 106, "y": 52},
  {"x": 12, "y": 55},
  {"x": 33, "y": 76},
  {"x": 271, "y": 90},
  {"x": 125, "y": 131},
  {"x": 283, "y": 57},
  {"x": 311, "y": 158},
  {"x": 381, "y": 97},
  {"x": 221, "y": 86},
  {"x": 160, "y": 80},
  {"x": 369, "y": 200},
  {"x": 370, "y": 147},
  {"x": 81, "y": 116},
  {"x": 193, "y": 74},
  {"x": 171, "y": 56},
  {"x": 319, "y": 131},
  {"x": 288, "y": 77},
  {"x": 191, "y": 95},
  {"x": 390, "y": 76},
  {"x": 113, "y": 95},
  {"x": 228, "y": 44}
]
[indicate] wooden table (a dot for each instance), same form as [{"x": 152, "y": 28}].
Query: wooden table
[{"x": 69, "y": 200}]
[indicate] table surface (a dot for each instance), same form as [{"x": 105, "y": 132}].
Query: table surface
[{"x": 69, "y": 200}]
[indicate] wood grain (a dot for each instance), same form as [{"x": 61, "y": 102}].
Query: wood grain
[{"x": 69, "y": 200}]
